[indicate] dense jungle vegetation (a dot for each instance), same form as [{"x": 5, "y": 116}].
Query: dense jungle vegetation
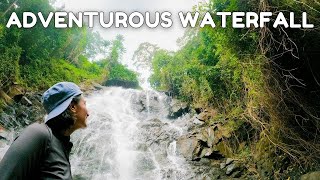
[
  {"x": 263, "y": 82},
  {"x": 38, "y": 57}
]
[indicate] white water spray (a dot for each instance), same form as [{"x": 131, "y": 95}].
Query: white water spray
[{"x": 120, "y": 141}]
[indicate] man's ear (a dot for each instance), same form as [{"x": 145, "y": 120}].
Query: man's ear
[{"x": 72, "y": 107}]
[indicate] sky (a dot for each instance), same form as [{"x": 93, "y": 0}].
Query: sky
[{"x": 164, "y": 38}]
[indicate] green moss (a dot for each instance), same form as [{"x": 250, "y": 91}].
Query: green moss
[
  {"x": 2, "y": 105},
  {"x": 224, "y": 149}
]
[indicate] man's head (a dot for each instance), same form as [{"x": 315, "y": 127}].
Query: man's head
[
  {"x": 64, "y": 101},
  {"x": 58, "y": 98}
]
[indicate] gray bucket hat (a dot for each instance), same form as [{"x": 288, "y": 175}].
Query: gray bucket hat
[{"x": 58, "y": 97}]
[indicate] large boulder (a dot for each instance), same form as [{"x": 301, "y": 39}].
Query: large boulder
[
  {"x": 156, "y": 135},
  {"x": 150, "y": 104},
  {"x": 178, "y": 108},
  {"x": 187, "y": 146},
  {"x": 201, "y": 143}
]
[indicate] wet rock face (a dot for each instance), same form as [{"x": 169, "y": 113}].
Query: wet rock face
[
  {"x": 186, "y": 146},
  {"x": 202, "y": 143},
  {"x": 22, "y": 112},
  {"x": 121, "y": 83},
  {"x": 150, "y": 102},
  {"x": 160, "y": 104},
  {"x": 204, "y": 148},
  {"x": 157, "y": 135}
]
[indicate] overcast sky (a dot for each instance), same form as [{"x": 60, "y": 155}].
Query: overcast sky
[{"x": 164, "y": 38}]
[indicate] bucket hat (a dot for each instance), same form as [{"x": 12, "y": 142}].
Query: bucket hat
[{"x": 58, "y": 97}]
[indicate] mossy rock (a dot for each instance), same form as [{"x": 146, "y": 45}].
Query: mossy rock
[
  {"x": 6, "y": 99},
  {"x": 224, "y": 149}
]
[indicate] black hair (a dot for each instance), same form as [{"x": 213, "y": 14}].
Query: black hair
[{"x": 65, "y": 120}]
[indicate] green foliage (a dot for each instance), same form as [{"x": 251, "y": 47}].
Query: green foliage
[
  {"x": 96, "y": 45},
  {"x": 120, "y": 72},
  {"x": 1, "y": 31},
  {"x": 117, "y": 71},
  {"x": 9, "y": 67},
  {"x": 40, "y": 57},
  {"x": 203, "y": 72},
  {"x": 42, "y": 74},
  {"x": 116, "y": 50},
  {"x": 248, "y": 75}
]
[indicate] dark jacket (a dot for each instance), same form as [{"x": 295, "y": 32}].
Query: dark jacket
[{"x": 37, "y": 154}]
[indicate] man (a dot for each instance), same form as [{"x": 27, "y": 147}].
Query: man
[{"x": 42, "y": 149}]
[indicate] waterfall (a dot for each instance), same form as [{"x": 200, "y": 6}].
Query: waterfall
[{"x": 128, "y": 137}]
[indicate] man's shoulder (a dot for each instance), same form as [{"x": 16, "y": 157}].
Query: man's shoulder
[{"x": 39, "y": 130}]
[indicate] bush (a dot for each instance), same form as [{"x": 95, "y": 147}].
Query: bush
[
  {"x": 42, "y": 74},
  {"x": 9, "y": 66}
]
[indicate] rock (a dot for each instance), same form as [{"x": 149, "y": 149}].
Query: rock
[
  {"x": 230, "y": 169},
  {"x": 202, "y": 116},
  {"x": 206, "y": 115},
  {"x": 206, "y": 152},
  {"x": 15, "y": 90},
  {"x": 8, "y": 120},
  {"x": 79, "y": 177},
  {"x": 159, "y": 137},
  {"x": 206, "y": 136},
  {"x": 311, "y": 176},
  {"x": 206, "y": 177},
  {"x": 177, "y": 108},
  {"x": 26, "y": 101},
  {"x": 176, "y": 105},
  {"x": 186, "y": 146},
  {"x": 22, "y": 114},
  {"x": 197, "y": 121},
  {"x": 236, "y": 174},
  {"x": 35, "y": 99},
  {"x": 98, "y": 86},
  {"x": 151, "y": 103},
  {"x": 7, "y": 99},
  {"x": 218, "y": 176},
  {"x": 229, "y": 161},
  {"x": 221, "y": 132},
  {"x": 121, "y": 83},
  {"x": 211, "y": 137},
  {"x": 151, "y": 124},
  {"x": 159, "y": 129},
  {"x": 197, "y": 152},
  {"x": 10, "y": 110},
  {"x": 223, "y": 148},
  {"x": 222, "y": 165},
  {"x": 202, "y": 136}
]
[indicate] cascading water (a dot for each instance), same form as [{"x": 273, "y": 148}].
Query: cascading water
[{"x": 128, "y": 137}]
